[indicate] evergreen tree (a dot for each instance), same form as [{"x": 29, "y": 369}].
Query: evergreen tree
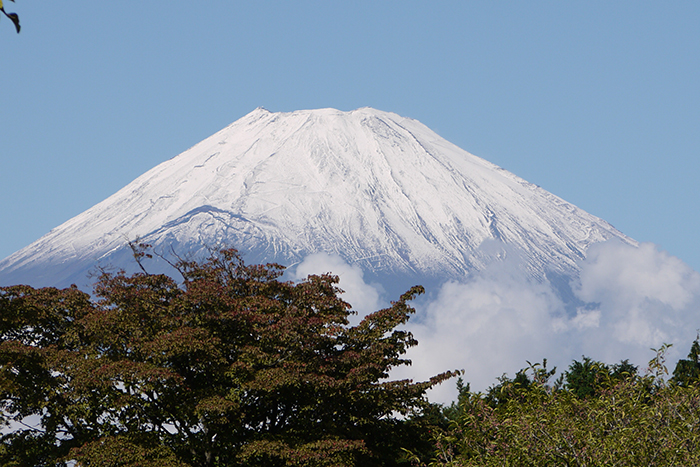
[
  {"x": 687, "y": 371},
  {"x": 587, "y": 378}
]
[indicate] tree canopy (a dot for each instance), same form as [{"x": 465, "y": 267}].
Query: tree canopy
[
  {"x": 594, "y": 414},
  {"x": 231, "y": 366},
  {"x": 687, "y": 371}
]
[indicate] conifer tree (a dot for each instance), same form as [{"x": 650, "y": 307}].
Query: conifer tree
[{"x": 687, "y": 371}]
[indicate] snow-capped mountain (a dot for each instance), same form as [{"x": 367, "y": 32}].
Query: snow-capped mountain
[{"x": 382, "y": 191}]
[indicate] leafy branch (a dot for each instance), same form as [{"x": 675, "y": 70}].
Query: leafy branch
[{"x": 13, "y": 16}]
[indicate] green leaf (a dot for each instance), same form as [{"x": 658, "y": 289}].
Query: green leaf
[{"x": 15, "y": 19}]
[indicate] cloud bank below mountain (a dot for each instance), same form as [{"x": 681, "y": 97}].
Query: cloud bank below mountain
[{"x": 631, "y": 299}]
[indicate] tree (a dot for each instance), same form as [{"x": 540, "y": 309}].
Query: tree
[
  {"x": 629, "y": 421},
  {"x": 13, "y": 16},
  {"x": 230, "y": 367},
  {"x": 508, "y": 390},
  {"x": 588, "y": 378},
  {"x": 687, "y": 371}
]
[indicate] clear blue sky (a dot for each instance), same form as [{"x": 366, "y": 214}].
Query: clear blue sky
[{"x": 596, "y": 101}]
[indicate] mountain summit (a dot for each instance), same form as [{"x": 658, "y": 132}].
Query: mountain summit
[{"x": 382, "y": 191}]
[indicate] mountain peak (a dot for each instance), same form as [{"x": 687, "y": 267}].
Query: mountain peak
[{"x": 382, "y": 191}]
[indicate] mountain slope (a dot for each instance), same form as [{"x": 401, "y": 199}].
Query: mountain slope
[{"x": 382, "y": 191}]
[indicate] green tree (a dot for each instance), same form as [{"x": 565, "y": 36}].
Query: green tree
[
  {"x": 514, "y": 389},
  {"x": 587, "y": 378},
  {"x": 687, "y": 371},
  {"x": 13, "y": 16},
  {"x": 453, "y": 411},
  {"x": 638, "y": 420},
  {"x": 230, "y": 367}
]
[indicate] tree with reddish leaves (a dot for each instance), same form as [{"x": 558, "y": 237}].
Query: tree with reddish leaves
[{"x": 231, "y": 366}]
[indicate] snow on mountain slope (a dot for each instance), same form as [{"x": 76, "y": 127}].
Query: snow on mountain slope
[{"x": 382, "y": 191}]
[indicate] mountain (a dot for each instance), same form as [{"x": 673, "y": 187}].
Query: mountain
[{"x": 382, "y": 191}]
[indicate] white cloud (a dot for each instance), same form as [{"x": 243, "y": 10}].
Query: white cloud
[
  {"x": 495, "y": 320},
  {"x": 364, "y": 298},
  {"x": 621, "y": 273},
  {"x": 488, "y": 325},
  {"x": 647, "y": 297}
]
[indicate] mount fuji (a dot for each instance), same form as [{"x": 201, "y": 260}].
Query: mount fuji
[
  {"x": 381, "y": 191},
  {"x": 513, "y": 273}
]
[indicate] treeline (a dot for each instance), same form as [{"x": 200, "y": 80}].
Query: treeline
[
  {"x": 230, "y": 366},
  {"x": 594, "y": 414}
]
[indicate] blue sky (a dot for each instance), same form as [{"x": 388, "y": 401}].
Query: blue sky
[{"x": 598, "y": 102}]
